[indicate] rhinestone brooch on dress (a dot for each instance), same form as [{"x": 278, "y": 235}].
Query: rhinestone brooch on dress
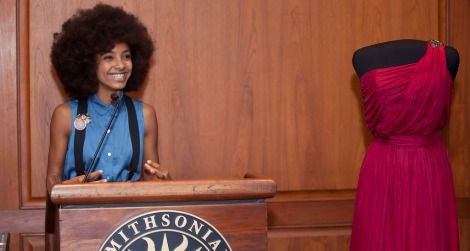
[{"x": 435, "y": 43}]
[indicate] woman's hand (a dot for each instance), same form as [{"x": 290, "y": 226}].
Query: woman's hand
[
  {"x": 153, "y": 171},
  {"x": 93, "y": 177}
]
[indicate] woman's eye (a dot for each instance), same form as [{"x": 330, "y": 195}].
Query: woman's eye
[
  {"x": 108, "y": 57},
  {"x": 127, "y": 56}
]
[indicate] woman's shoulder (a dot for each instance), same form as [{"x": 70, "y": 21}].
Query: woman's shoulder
[
  {"x": 61, "y": 118},
  {"x": 63, "y": 109},
  {"x": 148, "y": 109},
  {"x": 150, "y": 116},
  {"x": 139, "y": 105}
]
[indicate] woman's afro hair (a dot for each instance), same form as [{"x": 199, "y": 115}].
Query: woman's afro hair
[{"x": 91, "y": 32}]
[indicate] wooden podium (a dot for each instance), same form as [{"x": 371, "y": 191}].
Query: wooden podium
[{"x": 122, "y": 215}]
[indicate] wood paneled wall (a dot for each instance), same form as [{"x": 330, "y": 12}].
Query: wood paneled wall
[
  {"x": 459, "y": 126},
  {"x": 264, "y": 87},
  {"x": 9, "y": 166}
]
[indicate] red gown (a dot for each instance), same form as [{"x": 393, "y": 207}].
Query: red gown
[{"x": 405, "y": 195}]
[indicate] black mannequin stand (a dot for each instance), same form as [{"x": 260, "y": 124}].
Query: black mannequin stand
[{"x": 398, "y": 52}]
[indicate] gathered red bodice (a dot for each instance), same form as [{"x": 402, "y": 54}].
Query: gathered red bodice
[{"x": 412, "y": 99}]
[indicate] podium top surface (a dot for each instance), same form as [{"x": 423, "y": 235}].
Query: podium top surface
[{"x": 162, "y": 191}]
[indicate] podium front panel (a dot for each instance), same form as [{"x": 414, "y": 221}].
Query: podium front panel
[{"x": 243, "y": 225}]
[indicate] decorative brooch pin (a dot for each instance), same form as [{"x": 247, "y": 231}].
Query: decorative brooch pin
[
  {"x": 81, "y": 121},
  {"x": 435, "y": 43}
]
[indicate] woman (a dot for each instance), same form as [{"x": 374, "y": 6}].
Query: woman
[{"x": 100, "y": 53}]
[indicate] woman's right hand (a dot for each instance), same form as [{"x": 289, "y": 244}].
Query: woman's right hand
[{"x": 93, "y": 177}]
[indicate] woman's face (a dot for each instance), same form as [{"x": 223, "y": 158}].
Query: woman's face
[{"x": 114, "y": 68}]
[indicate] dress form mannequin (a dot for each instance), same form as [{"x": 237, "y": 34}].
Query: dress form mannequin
[
  {"x": 405, "y": 198},
  {"x": 398, "y": 52}
]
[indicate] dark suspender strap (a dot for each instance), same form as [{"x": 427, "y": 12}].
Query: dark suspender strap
[
  {"x": 80, "y": 138},
  {"x": 134, "y": 133}
]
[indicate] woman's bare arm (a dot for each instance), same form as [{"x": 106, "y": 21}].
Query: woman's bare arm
[{"x": 151, "y": 169}]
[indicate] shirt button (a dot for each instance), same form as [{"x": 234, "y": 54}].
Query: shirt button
[
  {"x": 108, "y": 131},
  {"x": 109, "y": 154}
]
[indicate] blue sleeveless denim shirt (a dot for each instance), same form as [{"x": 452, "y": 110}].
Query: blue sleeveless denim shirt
[{"x": 116, "y": 153}]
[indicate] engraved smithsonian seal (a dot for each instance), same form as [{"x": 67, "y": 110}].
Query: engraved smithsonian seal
[{"x": 165, "y": 230}]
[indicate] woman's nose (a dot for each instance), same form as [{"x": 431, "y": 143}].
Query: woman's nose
[{"x": 119, "y": 63}]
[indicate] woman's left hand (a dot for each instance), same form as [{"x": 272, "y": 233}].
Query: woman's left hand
[{"x": 153, "y": 171}]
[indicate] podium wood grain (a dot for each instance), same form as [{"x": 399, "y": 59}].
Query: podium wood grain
[
  {"x": 89, "y": 213},
  {"x": 243, "y": 225}
]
